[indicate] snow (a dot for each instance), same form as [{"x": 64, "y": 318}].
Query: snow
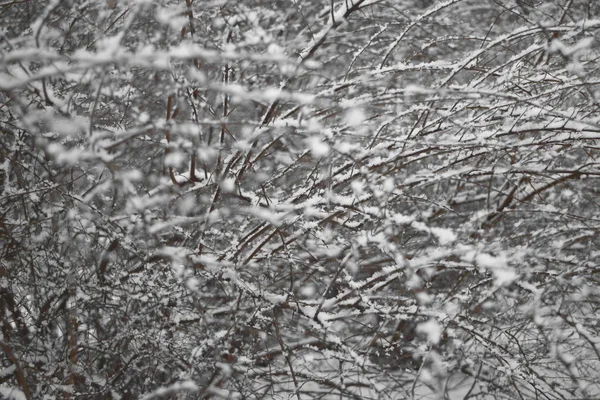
[
  {"x": 498, "y": 265},
  {"x": 240, "y": 94},
  {"x": 184, "y": 386},
  {"x": 423, "y": 298},
  {"x": 174, "y": 17},
  {"x": 431, "y": 329},
  {"x": 308, "y": 290},
  {"x": 354, "y": 117},
  {"x": 491, "y": 262},
  {"x": 558, "y": 46},
  {"x": 227, "y": 185},
  {"x": 389, "y": 185},
  {"x": 64, "y": 155},
  {"x": 187, "y": 205},
  {"x": 358, "y": 187},
  {"x": 174, "y": 159},
  {"x": 317, "y": 147},
  {"x": 504, "y": 276},
  {"x": 192, "y": 284},
  {"x": 369, "y": 196},
  {"x": 7, "y": 371},
  {"x": 335, "y": 17},
  {"x": 443, "y": 235},
  {"x": 12, "y": 393}
]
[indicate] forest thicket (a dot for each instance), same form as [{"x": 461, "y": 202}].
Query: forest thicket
[{"x": 299, "y": 199}]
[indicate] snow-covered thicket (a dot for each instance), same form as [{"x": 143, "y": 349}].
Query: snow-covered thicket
[{"x": 356, "y": 199}]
